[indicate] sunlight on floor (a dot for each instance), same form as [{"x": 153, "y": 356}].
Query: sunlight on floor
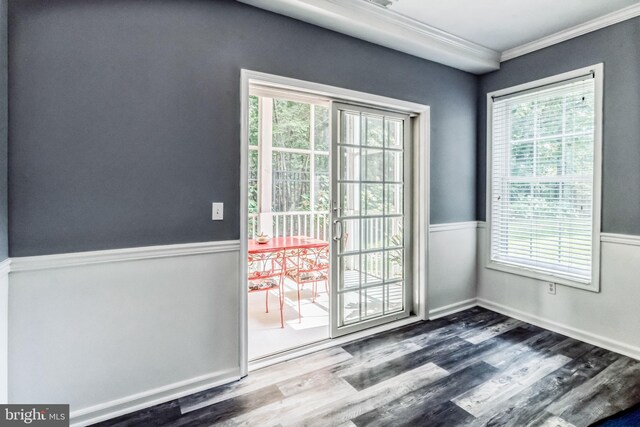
[{"x": 265, "y": 334}]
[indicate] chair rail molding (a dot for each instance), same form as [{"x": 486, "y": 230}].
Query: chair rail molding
[
  {"x": 43, "y": 262},
  {"x": 450, "y": 226},
  {"x": 622, "y": 239},
  {"x": 5, "y": 267}
]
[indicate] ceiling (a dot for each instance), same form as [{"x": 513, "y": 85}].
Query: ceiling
[
  {"x": 504, "y": 24},
  {"x": 471, "y": 35}
]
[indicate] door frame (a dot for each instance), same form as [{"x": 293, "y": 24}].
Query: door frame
[{"x": 420, "y": 128}]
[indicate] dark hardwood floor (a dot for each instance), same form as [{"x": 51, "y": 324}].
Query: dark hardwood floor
[{"x": 474, "y": 368}]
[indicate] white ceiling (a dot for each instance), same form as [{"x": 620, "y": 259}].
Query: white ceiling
[
  {"x": 472, "y": 35},
  {"x": 504, "y": 24}
]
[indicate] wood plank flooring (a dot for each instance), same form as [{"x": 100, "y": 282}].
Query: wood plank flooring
[{"x": 474, "y": 368}]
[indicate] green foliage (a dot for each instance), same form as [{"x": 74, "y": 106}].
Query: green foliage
[
  {"x": 253, "y": 181},
  {"x": 253, "y": 121},
  {"x": 373, "y": 130},
  {"x": 322, "y": 183},
  {"x": 253, "y": 154},
  {"x": 551, "y": 137},
  {"x": 291, "y": 181},
  {"x": 321, "y": 128},
  {"x": 291, "y": 124}
]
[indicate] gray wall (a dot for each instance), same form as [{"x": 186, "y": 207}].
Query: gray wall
[
  {"x": 124, "y": 122},
  {"x": 4, "y": 223},
  {"x": 618, "y": 47}
]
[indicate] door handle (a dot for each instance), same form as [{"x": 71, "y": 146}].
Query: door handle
[{"x": 337, "y": 225}]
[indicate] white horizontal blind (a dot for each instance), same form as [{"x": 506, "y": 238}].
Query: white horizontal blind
[{"x": 542, "y": 179}]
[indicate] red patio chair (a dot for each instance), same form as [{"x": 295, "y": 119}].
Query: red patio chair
[
  {"x": 266, "y": 272},
  {"x": 308, "y": 265}
]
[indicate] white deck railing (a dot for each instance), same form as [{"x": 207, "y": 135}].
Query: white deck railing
[
  {"x": 316, "y": 224},
  {"x": 286, "y": 224}
]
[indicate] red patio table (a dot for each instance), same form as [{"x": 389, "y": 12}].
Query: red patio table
[{"x": 275, "y": 254}]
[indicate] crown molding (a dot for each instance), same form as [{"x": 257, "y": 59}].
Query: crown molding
[
  {"x": 367, "y": 21},
  {"x": 570, "y": 33}
]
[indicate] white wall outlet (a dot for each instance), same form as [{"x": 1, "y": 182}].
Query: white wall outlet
[
  {"x": 217, "y": 211},
  {"x": 551, "y": 288}
]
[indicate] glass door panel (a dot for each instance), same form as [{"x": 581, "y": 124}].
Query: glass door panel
[{"x": 370, "y": 217}]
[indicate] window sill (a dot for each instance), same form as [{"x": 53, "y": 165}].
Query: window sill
[{"x": 537, "y": 275}]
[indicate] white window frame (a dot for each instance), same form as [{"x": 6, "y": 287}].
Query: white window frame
[
  {"x": 594, "y": 284},
  {"x": 265, "y": 149},
  {"x": 421, "y": 125}
]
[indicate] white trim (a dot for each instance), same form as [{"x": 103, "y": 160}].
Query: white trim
[
  {"x": 570, "y": 33},
  {"x": 594, "y": 285},
  {"x": 43, "y": 262},
  {"x": 421, "y": 145},
  {"x": 385, "y": 27},
  {"x": 243, "y": 321},
  {"x": 621, "y": 239},
  {"x": 597, "y": 340},
  {"x": 328, "y": 343},
  {"x": 421, "y": 115},
  {"x": 149, "y": 398},
  {"x": 450, "y": 226},
  {"x": 5, "y": 267},
  {"x": 336, "y": 324},
  {"x": 272, "y": 92},
  {"x": 520, "y": 270},
  {"x": 446, "y": 310},
  {"x": 330, "y": 92},
  {"x": 595, "y": 68}
]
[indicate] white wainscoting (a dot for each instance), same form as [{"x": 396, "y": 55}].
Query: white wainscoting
[
  {"x": 4, "y": 329},
  {"x": 114, "y": 331},
  {"x": 452, "y": 268},
  {"x": 609, "y": 319}
]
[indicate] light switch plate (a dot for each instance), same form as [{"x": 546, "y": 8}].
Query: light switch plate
[{"x": 217, "y": 211}]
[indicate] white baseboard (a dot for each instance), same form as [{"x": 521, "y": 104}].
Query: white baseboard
[
  {"x": 597, "y": 340},
  {"x": 118, "y": 407},
  {"x": 446, "y": 310},
  {"x": 167, "y": 293},
  {"x": 4, "y": 330}
]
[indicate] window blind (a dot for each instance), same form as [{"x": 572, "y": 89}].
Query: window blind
[{"x": 542, "y": 179}]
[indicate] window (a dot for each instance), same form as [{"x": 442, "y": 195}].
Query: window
[
  {"x": 288, "y": 182},
  {"x": 544, "y": 181}
]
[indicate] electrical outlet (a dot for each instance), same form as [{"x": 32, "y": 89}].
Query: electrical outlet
[
  {"x": 217, "y": 211},
  {"x": 551, "y": 288}
]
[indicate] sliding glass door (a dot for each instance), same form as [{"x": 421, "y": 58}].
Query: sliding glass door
[{"x": 370, "y": 217}]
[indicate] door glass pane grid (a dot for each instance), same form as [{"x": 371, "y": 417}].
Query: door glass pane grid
[
  {"x": 370, "y": 302},
  {"x": 372, "y": 161}
]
